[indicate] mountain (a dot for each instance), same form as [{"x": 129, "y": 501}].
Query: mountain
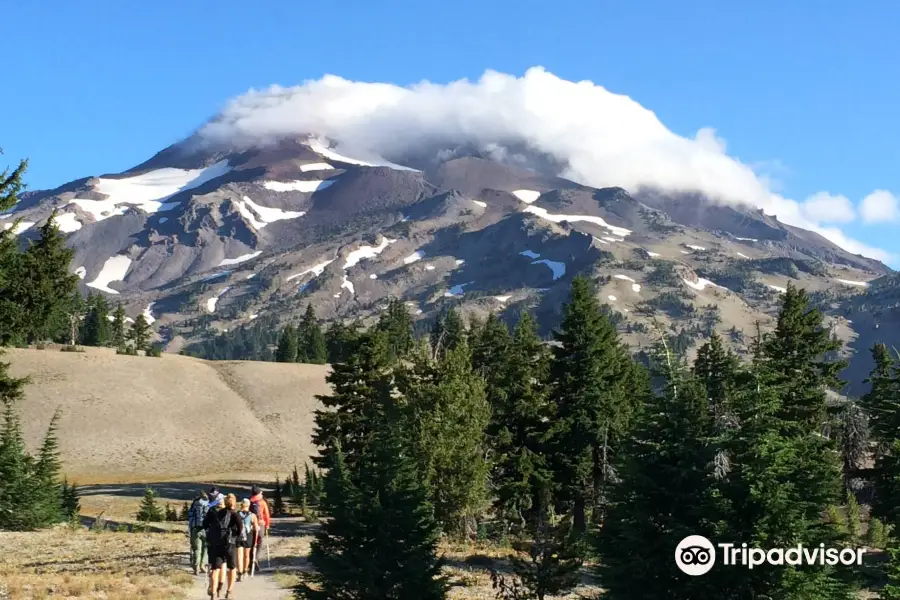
[{"x": 206, "y": 240}]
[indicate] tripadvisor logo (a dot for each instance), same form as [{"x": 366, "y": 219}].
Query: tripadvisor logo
[{"x": 696, "y": 555}]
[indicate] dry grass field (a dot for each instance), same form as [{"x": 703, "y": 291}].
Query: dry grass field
[
  {"x": 62, "y": 563},
  {"x": 175, "y": 418}
]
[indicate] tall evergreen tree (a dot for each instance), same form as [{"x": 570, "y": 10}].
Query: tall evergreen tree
[
  {"x": 119, "y": 335},
  {"x": 339, "y": 340},
  {"x": 397, "y": 323},
  {"x": 12, "y": 274},
  {"x": 381, "y": 539},
  {"x": 447, "y": 333},
  {"x": 139, "y": 334},
  {"x": 448, "y": 413},
  {"x": 45, "y": 294},
  {"x": 882, "y": 403},
  {"x": 287, "y": 345},
  {"x": 14, "y": 462},
  {"x": 311, "y": 346},
  {"x": 96, "y": 328},
  {"x": 666, "y": 493},
  {"x": 47, "y": 493},
  {"x": 797, "y": 358},
  {"x": 518, "y": 426},
  {"x": 592, "y": 380},
  {"x": 362, "y": 394}
]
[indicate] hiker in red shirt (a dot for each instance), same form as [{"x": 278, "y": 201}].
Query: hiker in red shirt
[{"x": 260, "y": 508}]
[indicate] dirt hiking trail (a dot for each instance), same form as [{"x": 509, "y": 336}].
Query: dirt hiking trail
[{"x": 262, "y": 586}]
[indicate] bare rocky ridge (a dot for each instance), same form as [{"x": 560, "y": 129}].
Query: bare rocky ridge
[{"x": 214, "y": 239}]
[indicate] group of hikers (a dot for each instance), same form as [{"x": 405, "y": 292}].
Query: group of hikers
[{"x": 229, "y": 539}]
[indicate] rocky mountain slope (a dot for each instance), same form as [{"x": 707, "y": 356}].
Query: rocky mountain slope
[{"x": 205, "y": 241}]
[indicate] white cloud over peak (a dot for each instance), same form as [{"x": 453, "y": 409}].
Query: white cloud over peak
[
  {"x": 601, "y": 138},
  {"x": 827, "y": 208},
  {"x": 880, "y": 206}
]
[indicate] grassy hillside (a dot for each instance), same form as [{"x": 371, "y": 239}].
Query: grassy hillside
[{"x": 129, "y": 418}]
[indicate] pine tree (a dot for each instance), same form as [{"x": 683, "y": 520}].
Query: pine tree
[
  {"x": 448, "y": 413},
  {"x": 797, "y": 356},
  {"x": 518, "y": 427},
  {"x": 666, "y": 492},
  {"x": 119, "y": 336},
  {"x": 287, "y": 345},
  {"x": 14, "y": 462},
  {"x": 149, "y": 511},
  {"x": 310, "y": 340},
  {"x": 185, "y": 512},
  {"x": 170, "y": 515},
  {"x": 139, "y": 334},
  {"x": 45, "y": 294},
  {"x": 12, "y": 273},
  {"x": 882, "y": 405},
  {"x": 339, "y": 340},
  {"x": 47, "y": 495},
  {"x": 71, "y": 500},
  {"x": 277, "y": 499},
  {"x": 447, "y": 333},
  {"x": 362, "y": 393},
  {"x": 397, "y": 324},
  {"x": 592, "y": 381},
  {"x": 380, "y": 540},
  {"x": 96, "y": 328}
]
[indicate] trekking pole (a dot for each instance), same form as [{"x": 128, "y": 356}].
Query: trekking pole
[
  {"x": 253, "y": 554},
  {"x": 268, "y": 559}
]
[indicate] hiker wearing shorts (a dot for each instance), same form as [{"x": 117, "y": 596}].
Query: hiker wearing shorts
[
  {"x": 251, "y": 529},
  {"x": 196, "y": 513},
  {"x": 260, "y": 508},
  {"x": 223, "y": 527}
]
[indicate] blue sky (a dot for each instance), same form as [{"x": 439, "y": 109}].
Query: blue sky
[{"x": 806, "y": 91}]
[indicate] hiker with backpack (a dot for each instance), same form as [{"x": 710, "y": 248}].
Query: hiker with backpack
[
  {"x": 260, "y": 508},
  {"x": 223, "y": 529},
  {"x": 248, "y": 541},
  {"x": 196, "y": 513}
]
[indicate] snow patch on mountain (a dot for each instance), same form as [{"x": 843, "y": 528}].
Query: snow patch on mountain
[
  {"x": 81, "y": 272},
  {"x": 457, "y": 290},
  {"x": 742, "y": 255},
  {"x": 148, "y": 314},
  {"x": 319, "y": 146},
  {"x": 612, "y": 298},
  {"x": 242, "y": 258},
  {"x": 542, "y": 213},
  {"x": 67, "y": 223},
  {"x": 260, "y": 216},
  {"x": 147, "y": 191},
  {"x": 415, "y": 256},
  {"x": 502, "y": 298},
  {"x": 429, "y": 267},
  {"x": 366, "y": 252},
  {"x": 558, "y": 268},
  {"x": 625, "y": 277},
  {"x": 480, "y": 203},
  {"x": 347, "y": 284},
  {"x": 297, "y": 186},
  {"x": 319, "y": 166},
  {"x": 701, "y": 284},
  {"x": 21, "y": 227},
  {"x": 114, "y": 269},
  {"x": 692, "y": 247},
  {"x": 316, "y": 270},
  {"x": 848, "y": 282},
  {"x": 746, "y": 239},
  {"x": 635, "y": 287},
  {"x": 778, "y": 289},
  {"x": 211, "y": 303},
  {"x": 527, "y": 196},
  {"x": 653, "y": 254}
]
